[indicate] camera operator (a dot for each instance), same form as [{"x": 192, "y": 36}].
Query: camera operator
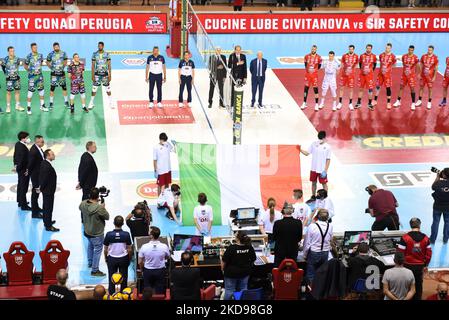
[
  {"x": 441, "y": 204},
  {"x": 94, "y": 216},
  {"x": 137, "y": 222},
  {"x": 382, "y": 205}
]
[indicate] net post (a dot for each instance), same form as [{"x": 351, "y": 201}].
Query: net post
[
  {"x": 237, "y": 114},
  {"x": 184, "y": 27}
]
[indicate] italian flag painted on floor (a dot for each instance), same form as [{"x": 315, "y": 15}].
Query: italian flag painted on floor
[{"x": 236, "y": 176}]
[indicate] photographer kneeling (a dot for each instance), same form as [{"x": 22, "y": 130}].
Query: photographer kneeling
[
  {"x": 382, "y": 205},
  {"x": 441, "y": 204},
  {"x": 138, "y": 221},
  {"x": 94, "y": 216}
]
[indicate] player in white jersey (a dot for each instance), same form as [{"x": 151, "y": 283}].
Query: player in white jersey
[
  {"x": 330, "y": 80},
  {"x": 203, "y": 216}
]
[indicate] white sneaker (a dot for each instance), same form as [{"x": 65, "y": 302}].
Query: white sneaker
[
  {"x": 339, "y": 105},
  {"x": 413, "y": 107},
  {"x": 303, "y": 106},
  {"x": 317, "y": 107},
  {"x": 277, "y": 5},
  {"x": 388, "y": 106},
  {"x": 189, "y": 104},
  {"x": 418, "y": 103},
  {"x": 91, "y": 106},
  {"x": 159, "y": 105},
  {"x": 151, "y": 105},
  {"x": 29, "y": 112},
  {"x": 321, "y": 106},
  {"x": 334, "y": 108},
  {"x": 351, "y": 107},
  {"x": 45, "y": 109},
  {"x": 181, "y": 104},
  {"x": 429, "y": 105},
  {"x": 397, "y": 104}
]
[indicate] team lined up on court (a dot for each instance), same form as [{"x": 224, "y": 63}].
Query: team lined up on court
[{"x": 414, "y": 69}]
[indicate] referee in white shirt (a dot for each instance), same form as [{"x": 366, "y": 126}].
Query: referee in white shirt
[
  {"x": 317, "y": 243},
  {"x": 321, "y": 159},
  {"x": 152, "y": 258},
  {"x": 153, "y": 74},
  {"x": 186, "y": 74}
]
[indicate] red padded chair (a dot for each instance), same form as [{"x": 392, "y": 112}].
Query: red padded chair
[
  {"x": 287, "y": 280},
  {"x": 19, "y": 264},
  {"x": 54, "y": 257},
  {"x": 208, "y": 293}
]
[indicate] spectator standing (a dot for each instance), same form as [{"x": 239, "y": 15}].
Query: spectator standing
[
  {"x": 20, "y": 158},
  {"x": 398, "y": 282},
  {"x": 94, "y": 216},
  {"x": 186, "y": 281},
  {"x": 415, "y": 246},
  {"x": 440, "y": 195},
  {"x": 382, "y": 206},
  {"x": 441, "y": 292},
  {"x": 301, "y": 210},
  {"x": 203, "y": 216},
  {"x": 287, "y": 233},
  {"x": 152, "y": 258},
  {"x": 238, "y": 5},
  {"x": 117, "y": 253},
  {"x": 60, "y": 291},
  {"x": 237, "y": 263},
  {"x": 268, "y": 217},
  {"x": 317, "y": 243},
  {"x": 321, "y": 159}
]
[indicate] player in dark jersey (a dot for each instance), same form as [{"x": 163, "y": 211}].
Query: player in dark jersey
[
  {"x": 76, "y": 70},
  {"x": 101, "y": 73},
  {"x": 10, "y": 65},
  {"x": 33, "y": 64},
  {"x": 56, "y": 61}
]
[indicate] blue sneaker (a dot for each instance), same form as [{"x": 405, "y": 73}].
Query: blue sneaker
[{"x": 442, "y": 103}]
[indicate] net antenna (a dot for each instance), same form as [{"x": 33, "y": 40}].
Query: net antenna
[{"x": 232, "y": 97}]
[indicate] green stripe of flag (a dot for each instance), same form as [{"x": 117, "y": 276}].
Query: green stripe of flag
[{"x": 198, "y": 173}]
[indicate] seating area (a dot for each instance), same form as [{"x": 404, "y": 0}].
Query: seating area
[{"x": 21, "y": 279}]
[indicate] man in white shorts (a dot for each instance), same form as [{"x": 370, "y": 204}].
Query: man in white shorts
[{"x": 330, "y": 80}]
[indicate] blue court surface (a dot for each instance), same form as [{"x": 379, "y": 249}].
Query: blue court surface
[{"x": 348, "y": 180}]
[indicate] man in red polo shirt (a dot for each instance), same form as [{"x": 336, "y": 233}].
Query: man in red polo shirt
[{"x": 382, "y": 205}]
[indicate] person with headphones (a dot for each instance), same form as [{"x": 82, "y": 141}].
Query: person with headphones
[
  {"x": 185, "y": 282},
  {"x": 382, "y": 206}
]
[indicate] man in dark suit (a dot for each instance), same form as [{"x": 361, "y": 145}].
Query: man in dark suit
[
  {"x": 237, "y": 64},
  {"x": 186, "y": 281},
  {"x": 87, "y": 170},
  {"x": 47, "y": 186},
  {"x": 287, "y": 233},
  {"x": 21, "y": 168},
  {"x": 257, "y": 67},
  {"x": 217, "y": 68},
  {"x": 35, "y": 157}
]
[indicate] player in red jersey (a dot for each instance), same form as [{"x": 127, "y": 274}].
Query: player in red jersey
[
  {"x": 386, "y": 62},
  {"x": 347, "y": 75},
  {"x": 429, "y": 68},
  {"x": 445, "y": 83},
  {"x": 367, "y": 65},
  {"x": 410, "y": 65},
  {"x": 312, "y": 63}
]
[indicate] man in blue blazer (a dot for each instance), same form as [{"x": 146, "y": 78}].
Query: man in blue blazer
[{"x": 257, "y": 67}]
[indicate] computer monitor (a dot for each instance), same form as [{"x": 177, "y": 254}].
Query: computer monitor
[
  {"x": 353, "y": 238},
  {"x": 185, "y": 242},
  {"x": 246, "y": 213}
]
